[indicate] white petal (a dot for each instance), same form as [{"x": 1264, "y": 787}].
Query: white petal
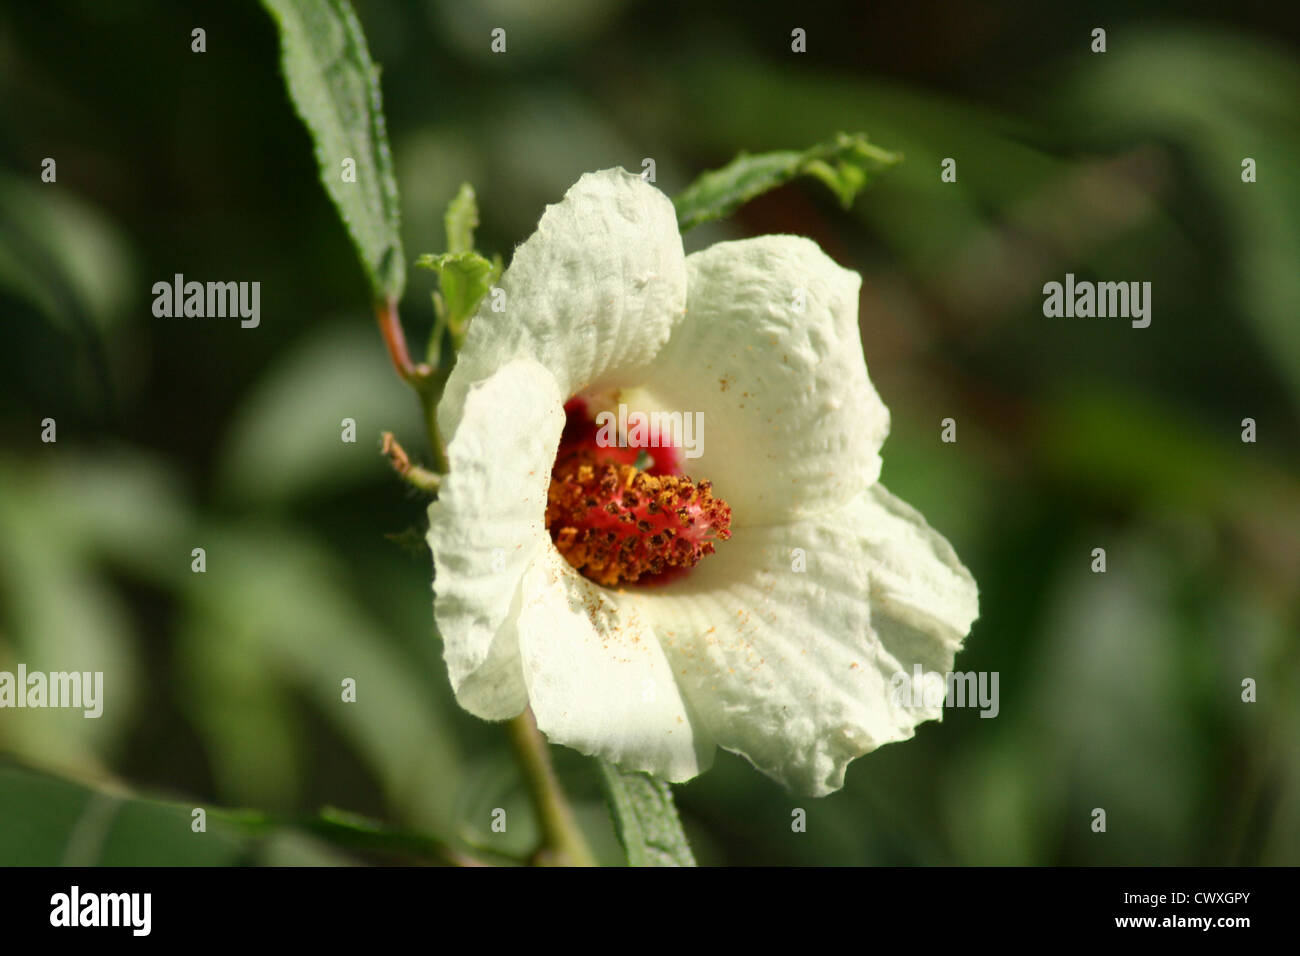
[
  {"x": 792, "y": 424},
  {"x": 598, "y": 680},
  {"x": 592, "y": 295},
  {"x": 922, "y": 595},
  {"x": 795, "y": 670},
  {"x": 487, "y": 526}
]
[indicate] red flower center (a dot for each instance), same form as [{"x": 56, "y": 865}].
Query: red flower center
[{"x": 628, "y": 515}]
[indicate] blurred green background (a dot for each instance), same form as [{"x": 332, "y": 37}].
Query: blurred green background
[{"x": 1119, "y": 690}]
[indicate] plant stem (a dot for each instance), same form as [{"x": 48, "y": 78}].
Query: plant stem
[
  {"x": 355, "y": 832},
  {"x": 395, "y": 338},
  {"x": 419, "y": 478},
  {"x": 562, "y": 841},
  {"x": 430, "y": 393}
]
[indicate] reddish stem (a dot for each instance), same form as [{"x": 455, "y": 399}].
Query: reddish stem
[{"x": 391, "y": 327}]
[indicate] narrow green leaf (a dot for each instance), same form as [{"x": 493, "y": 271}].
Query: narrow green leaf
[
  {"x": 845, "y": 164},
  {"x": 461, "y": 220},
  {"x": 335, "y": 88},
  {"x": 70, "y": 823},
  {"x": 645, "y": 818}
]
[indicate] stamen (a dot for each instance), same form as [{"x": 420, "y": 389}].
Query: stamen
[{"x": 619, "y": 524}]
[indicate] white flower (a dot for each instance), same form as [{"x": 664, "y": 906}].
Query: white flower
[{"x": 791, "y": 668}]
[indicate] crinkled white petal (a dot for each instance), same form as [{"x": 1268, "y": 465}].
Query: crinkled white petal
[
  {"x": 592, "y": 295},
  {"x": 487, "y": 526},
  {"x": 797, "y": 670},
  {"x": 770, "y": 352},
  {"x": 597, "y": 676}
]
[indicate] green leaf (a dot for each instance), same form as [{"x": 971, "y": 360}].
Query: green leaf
[
  {"x": 335, "y": 87},
  {"x": 845, "y": 164},
  {"x": 464, "y": 278},
  {"x": 461, "y": 220},
  {"x": 645, "y": 818},
  {"x": 66, "y": 823},
  {"x": 69, "y": 823}
]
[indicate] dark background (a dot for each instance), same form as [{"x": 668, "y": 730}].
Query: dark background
[{"x": 1120, "y": 691}]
